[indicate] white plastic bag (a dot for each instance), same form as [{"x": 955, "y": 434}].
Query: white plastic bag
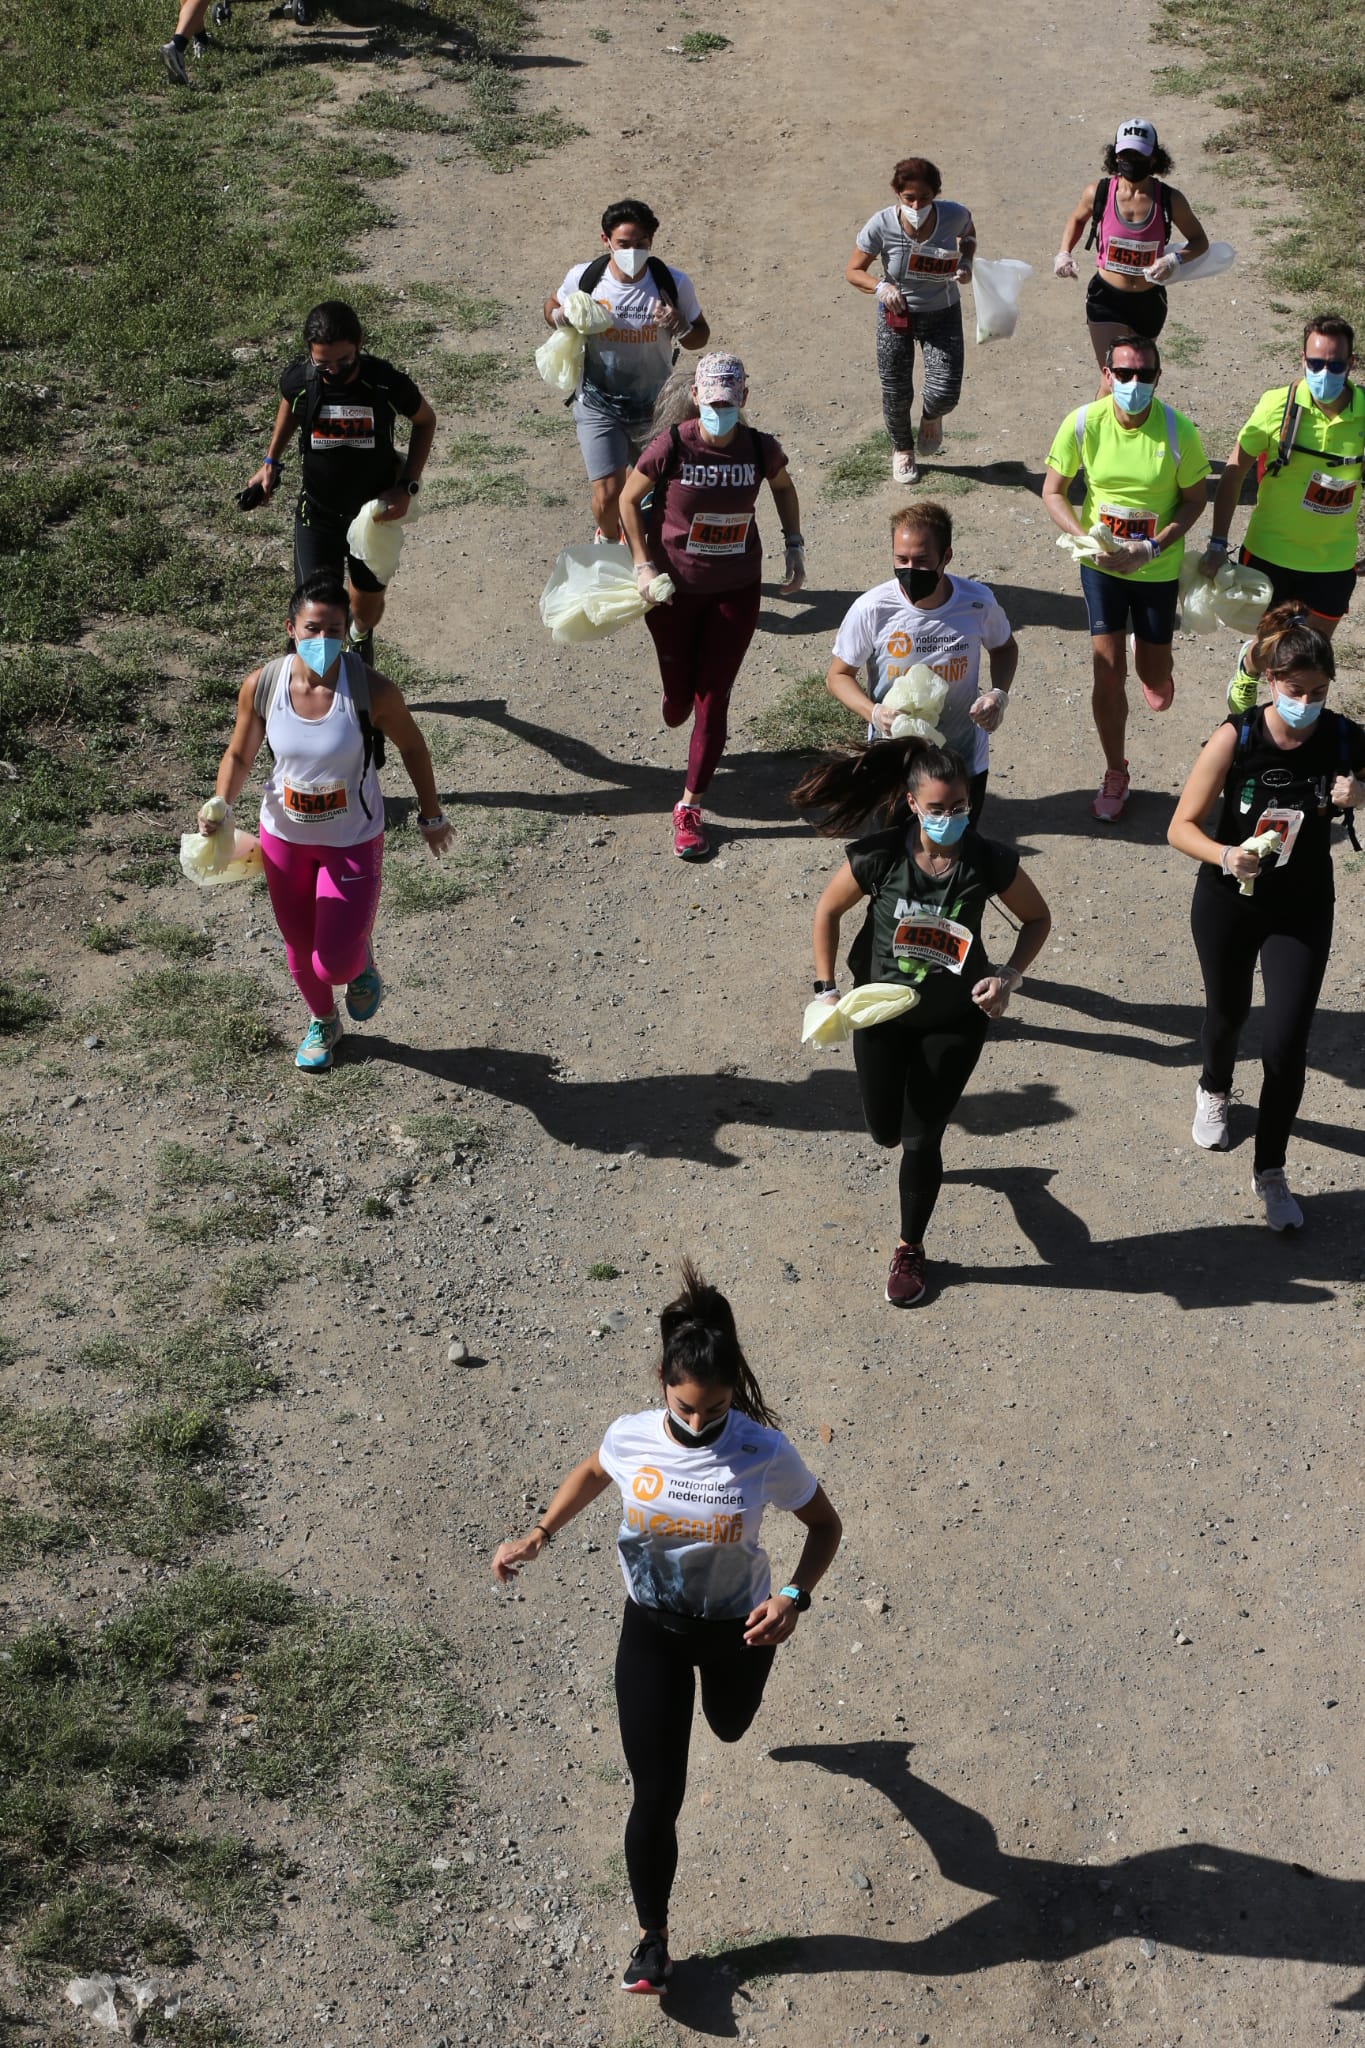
[
  {"x": 876, "y": 1002},
  {"x": 1241, "y": 596},
  {"x": 917, "y": 698},
  {"x": 1197, "y": 614},
  {"x": 996, "y": 287},
  {"x": 209, "y": 858},
  {"x": 592, "y": 592},
  {"x": 378, "y": 542},
  {"x": 1217, "y": 258},
  {"x": 1088, "y": 547},
  {"x": 1262, "y": 844},
  {"x": 560, "y": 361},
  {"x": 586, "y": 315}
]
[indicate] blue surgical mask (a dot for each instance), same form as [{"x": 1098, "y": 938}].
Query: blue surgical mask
[
  {"x": 943, "y": 831},
  {"x": 719, "y": 419},
  {"x": 1134, "y": 397},
  {"x": 319, "y": 654},
  {"x": 1298, "y": 713},
  {"x": 1325, "y": 385}
]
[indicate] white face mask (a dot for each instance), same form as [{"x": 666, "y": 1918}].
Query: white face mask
[
  {"x": 630, "y": 261},
  {"x": 917, "y": 215}
]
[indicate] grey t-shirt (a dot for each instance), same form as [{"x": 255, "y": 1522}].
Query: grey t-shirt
[{"x": 923, "y": 270}]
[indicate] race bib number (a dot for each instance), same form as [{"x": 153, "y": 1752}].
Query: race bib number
[
  {"x": 1286, "y": 824},
  {"x": 928, "y": 263},
  {"x": 1128, "y": 522},
  {"x": 315, "y": 804},
  {"x": 1125, "y": 253},
  {"x": 719, "y": 533},
  {"x": 920, "y": 936},
  {"x": 1329, "y": 493},
  {"x": 343, "y": 426}
]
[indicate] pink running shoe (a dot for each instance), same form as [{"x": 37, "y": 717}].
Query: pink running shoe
[
  {"x": 1111, "y": 796},
  {"x": 689, "y": 840}
]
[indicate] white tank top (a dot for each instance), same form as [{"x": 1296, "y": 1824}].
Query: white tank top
[{"x": 314, "y": 793}]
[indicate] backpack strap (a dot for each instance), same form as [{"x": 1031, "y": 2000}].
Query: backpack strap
[
  {"x": 268, "y": 681},
  {"x": 1289, "y": 427},
  {"x": 662, "y": 278},
  {"x": 1164, "y": 195},
  {"x": 358, "y": 683},
  {"x": 593, "y": 275},
  {"x": 1097, "y": 210}
]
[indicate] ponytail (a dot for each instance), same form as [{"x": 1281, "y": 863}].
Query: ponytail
[
  {"x": 873, "y": 777},
  {"x": 1285, "y": 642},
  {"x": 701, "y": 1343}
]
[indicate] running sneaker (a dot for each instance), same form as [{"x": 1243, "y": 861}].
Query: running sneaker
[
  {"x": 174, "y": 61},
  {"x": 1210, "y": 1127},
  {"x": 689, "y": 839},
  {"x": 905, "y": 1283},
  {"x": 302, "y": 12},
  {"x": 203, "y": 43},
  {"x": 650, "y": 1966},
  {"x": 222, "y": 13},
  {"x": 929, "y": 439},
  {"x": 1282, "y": 1212},
  {"x": 904, "y": 468},
  {"x": 315, "y": 1052},
  {"x": 363, "y": 645},
  {"x": 1111, "y": 796},
  {"x": 1242, "y": 691},
  {"x": 365, "y": 993}
]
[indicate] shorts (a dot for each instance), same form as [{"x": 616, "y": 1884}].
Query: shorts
[
  {"x": 1118, "y": 605},
  {"x": 1141, "y": 312},
  {"x": 320, "y": 545},
  {"x": 608, "y": 443},
  {"x": 1328, "y": 593}
]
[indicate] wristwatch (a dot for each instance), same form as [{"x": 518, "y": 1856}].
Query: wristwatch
[
  {"x": 411, "y": 484},
  {"x": 825, "y": 988},
  {"x": 796, "y": 1593}
]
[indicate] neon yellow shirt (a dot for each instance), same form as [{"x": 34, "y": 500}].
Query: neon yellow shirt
[
  {"x": 1133, "y": 484},
  {"x": 1305, "y": 518}
]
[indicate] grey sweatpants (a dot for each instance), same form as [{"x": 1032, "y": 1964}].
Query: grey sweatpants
[{"x": 940, "y": 338}]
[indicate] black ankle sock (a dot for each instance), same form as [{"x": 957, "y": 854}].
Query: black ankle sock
[{"x": 180, "y": 42}]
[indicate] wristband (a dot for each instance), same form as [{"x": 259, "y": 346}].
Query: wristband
[
  {"x": 541, "y": 1530},
  {"x": 1156, "y": 547},
  {"x": 826, "y": 988},
  {"x": 797, "y": 1594},
  {"x": 793, "y": 540},
  {"x": 433, "y": 824},
  {"x": 1223, "y": 859},
  {"x": 1016, "y": 974},
  {"x": 271, "y": 462}
]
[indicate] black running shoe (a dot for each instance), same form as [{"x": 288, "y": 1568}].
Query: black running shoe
[
  {"x": 302, "y": 12},
  {"x": 203, "y": 43},
  {"x": 649, "y": 1968},
  {"x": 222, "y": 13}
]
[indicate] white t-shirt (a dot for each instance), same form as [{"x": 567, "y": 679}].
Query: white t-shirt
[
  {"x": 627, "y": 364},
  {"x": 888, "y": 635},
  {"x": 313, "y": 795},
  {"x": 688, "y": 1540}
]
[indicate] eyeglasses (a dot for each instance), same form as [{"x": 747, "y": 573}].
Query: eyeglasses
[
  {"x": 1327, "y": 362},
  {"x": 1128, "y": 376},
  {"x": 945, "y": 811}
]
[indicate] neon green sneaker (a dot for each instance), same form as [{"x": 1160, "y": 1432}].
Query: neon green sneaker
[
  {"x": 1242, "y": 689},
  {"x": 315, "y": 1053}
]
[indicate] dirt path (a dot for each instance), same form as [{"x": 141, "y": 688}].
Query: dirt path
[{"x": 1099, "y": 1588}]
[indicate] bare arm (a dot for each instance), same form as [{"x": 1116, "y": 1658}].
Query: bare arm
[
  {"x": 697, "y": 335},
  {"x": 390, "y": 713},
  {"x": 397, "y": 498},
  {"x": 634, "y": 491},
  {"x": 1004, "y": 663},
  {"x": 1196, "y": 241},
  {"x": 1205, "y": 780},
  {"x": 552, "y": 306},
  {"x": 842, "y": 682},
  {"x": 1078, "y": 221},
  {"x": 966, "y": 249},
  {"x": 837, "y": 898},
  {"x": 1225, "y": 504},
  {"x": 787, "y": 503},
  {"x": 239, "y": 756},
  {"x": 281, "y": 434},
  {"x": 1055, "y": 503},
  {"x": 571, "y": 1496},
  {"x": 775, "y": 1618},
  {"x": 1188, "y": 512},
  {"x": 857, "y": 272}
]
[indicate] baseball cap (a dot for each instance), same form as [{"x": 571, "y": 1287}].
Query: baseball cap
[
  {"x": 720, "y": 377},
  {"x": 1135, "y": 138}
]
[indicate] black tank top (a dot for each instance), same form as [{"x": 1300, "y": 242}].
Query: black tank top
[{"x": 1295, "y": 783}]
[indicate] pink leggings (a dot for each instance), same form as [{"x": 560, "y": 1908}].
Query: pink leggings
[
  {"x": 701, "y": 639},
  {"x": 324, "y": 899}
]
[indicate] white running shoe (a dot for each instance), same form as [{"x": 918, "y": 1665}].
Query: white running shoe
[
  {"x": 1210, "y": 1127},
  {"x": 904, "y": 468},
  {"x": 1282, "y": 1212}
]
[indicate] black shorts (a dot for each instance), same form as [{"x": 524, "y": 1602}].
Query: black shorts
[
  {"x": 1327, "y": 593},
  {"x": 320, "y": 545},
  {"x": 1141, "y": 312}
]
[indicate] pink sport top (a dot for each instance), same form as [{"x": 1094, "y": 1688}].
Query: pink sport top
[{"x": 1129, "y": 246}]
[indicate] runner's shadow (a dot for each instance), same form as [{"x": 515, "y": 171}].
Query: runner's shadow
[
  {"x": 1007, "y": 476},
  {"x": 811, "y": 611},
  {"x": 1025, "y": 606},
  {"x": 1065, "y": 814},
  {"x": 1199, "y": 1896}
]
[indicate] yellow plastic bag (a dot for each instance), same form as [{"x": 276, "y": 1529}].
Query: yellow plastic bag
[
  {"x": 584, "y": 314},
  {"x": 1263, "y": 843},
  {"x": 1241, "y": 595},
  {"x": 1088, "y": 547},
  {"x": 1197, "y": 614},
  {"x": 209, "y": 858},
  {"x": 378, "y": 542},
  {"x": 560, "y": 359},
  {"x": 876, "y": 1002},
  {"x": 917, "y": 698},
  {"x": 592, "y": 592}
]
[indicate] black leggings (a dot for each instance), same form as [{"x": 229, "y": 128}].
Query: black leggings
[
  {"x": 655, "y": 1689},
  {"x": 1294, "y": 942},
  {"x": 911, "y": 1081}
]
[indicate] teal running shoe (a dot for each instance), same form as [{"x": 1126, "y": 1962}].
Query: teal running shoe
[
  {"x": 315, "y": 1053},
  {"x": 365, "y": 993}
]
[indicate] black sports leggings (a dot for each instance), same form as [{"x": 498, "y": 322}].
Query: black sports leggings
[
  {"x": 1294, "y": 941},
  {"x": 655, "y": 1689},
  {"x": 911, "y": 1081}
]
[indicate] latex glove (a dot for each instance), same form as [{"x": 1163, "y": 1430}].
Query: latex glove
[
  {"x": 1134, "y": 554},
  {"x": 889, "y": 294},
  {"x": 993, "y": 993},
  {"x": 794, "y": 574},
  {"x": 1064, "y": 264},
  {"x": 1348, "y": 793},
  {"x": 963, "y": 273},
  {"x": 559, "y": 318},
  {"x": 213, "y": 815},
  {"x": 668, "y": 317},
  {"x": 438, "y": 835},
  {"x": 645, "y": 573},
  {"x": 883, "y": 718},
  {"x": 1163, "y": 269},
  {"x": 395, "y": 504},
  {"x": 1212, "y": 560},
  {"x": 989, "y": 709}
]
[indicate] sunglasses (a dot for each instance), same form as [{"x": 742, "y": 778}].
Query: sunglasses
[
  {"x": 1328, "y": 362},
  {"x": 1129, "y": 376}
]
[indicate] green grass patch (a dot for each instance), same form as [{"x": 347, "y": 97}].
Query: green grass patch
[
  {"x": 248, "y": 1283},
  {"x": 486, "y": 841},
  {"x": 703, "y": 42},
  {"x": 207, "y": 1200},
  {"x": 865, "y": 468},
  {"x": 497, "y": 127},
  {"x": 400, "y": 113},
  {"x": 1181, "y": 346},
  {"x": 173, "y": 941},
  {"x": 806, "y": 719},
  {"x": 439, "y": 1131},
  {"x": 465, "y": 380},
  {"x": 603, "y": 1269},
  {"x": 199, "y": 1362},
  {"x": 23, "y": 1010},
  {"x": 211, "y": 1024}
]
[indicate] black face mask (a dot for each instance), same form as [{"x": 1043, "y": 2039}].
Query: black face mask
[
  {"x": 337, "y": 379},
  {"x": 918, "y": 583},
  {"x": 683, "y": 1436}
]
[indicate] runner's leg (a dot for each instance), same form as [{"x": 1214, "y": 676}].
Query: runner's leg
[
  {"x": 940, "y": 338},
  {"x": 726, "y": 626},
  {"x": 732, "y": 1682},
  {"x": 1227, "y": 937},
  {"x": 896, "y": 369},
  {"x": 655, "y": 1691},
  {"x": 1292, "y": 971},
  {"x": 291, "y": 878},
  {"x": 347, "y": 899},
  {"x": 675, "y": 629},
  {"x": 938, "y": 1067}
]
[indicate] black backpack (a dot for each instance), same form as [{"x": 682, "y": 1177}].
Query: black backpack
[
  {"x": 313, "y": 396},
  {"x": 1347, "y": 816},
  {"x": 1288, "y": 443},
  {"x": 276, "y": 670},
  {"x": 1102, "y": 200},
  {"x": 660, "y": 276}
]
